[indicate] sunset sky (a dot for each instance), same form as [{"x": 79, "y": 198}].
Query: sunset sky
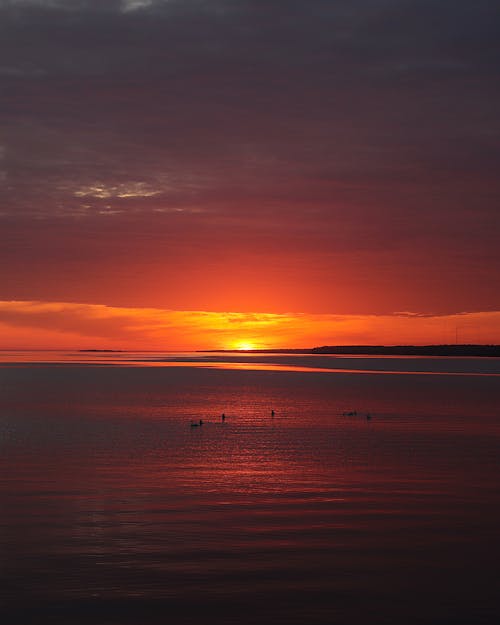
[{"x": 182, "y": 174}]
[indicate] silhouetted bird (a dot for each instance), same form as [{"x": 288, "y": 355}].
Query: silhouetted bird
[
  {"x": 223, "y": 417},
  {"x": 272, "y": 413}
]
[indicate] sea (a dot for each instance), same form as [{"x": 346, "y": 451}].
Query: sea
[{"x": 336, "y": 490}]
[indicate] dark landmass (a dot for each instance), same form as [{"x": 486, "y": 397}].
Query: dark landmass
[
  {"x": 107, "y": 351},
  {"x": 380, "y": 350},
  {"x": 412, "y": 350}
]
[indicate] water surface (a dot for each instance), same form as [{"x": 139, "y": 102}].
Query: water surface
[{"x": 116, "y": 510}]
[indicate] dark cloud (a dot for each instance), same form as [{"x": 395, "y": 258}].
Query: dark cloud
[{"x": 368, "y": 123}]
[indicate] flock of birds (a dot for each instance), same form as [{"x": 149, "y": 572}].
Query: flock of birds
[
  {"x": 197, "y": 424},
  {"x": 350, "y": 413},
  {"x": 353, "y": 413}
]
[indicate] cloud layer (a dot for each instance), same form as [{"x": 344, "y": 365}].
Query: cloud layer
[{"x": 330, "y": 156}]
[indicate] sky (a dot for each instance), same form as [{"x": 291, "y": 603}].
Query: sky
[{"x": 182, "y": 174}]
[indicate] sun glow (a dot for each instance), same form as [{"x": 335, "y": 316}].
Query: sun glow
[
  {"x": 69, "y": 325},
  {"x": 244, "y": 346}
]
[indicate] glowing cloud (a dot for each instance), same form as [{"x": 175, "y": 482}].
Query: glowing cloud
[{"x": 105, "y": 192}]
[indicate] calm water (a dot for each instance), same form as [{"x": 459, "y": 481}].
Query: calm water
[{"x": 114, "y": 510}]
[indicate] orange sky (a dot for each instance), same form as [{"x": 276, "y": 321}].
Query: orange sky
[
  {"x": 311, "y": 169},
  {"x": 54, "y": 325}
]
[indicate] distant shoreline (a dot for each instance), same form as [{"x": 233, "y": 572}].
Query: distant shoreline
[
  {"x": 101, "y": 350},
  {"x": 475, "y": 351}
]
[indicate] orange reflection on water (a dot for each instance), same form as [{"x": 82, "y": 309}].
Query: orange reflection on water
[{"x": 248, "y": 361}]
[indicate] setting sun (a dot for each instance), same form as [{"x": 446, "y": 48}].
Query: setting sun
[{"x": 244, "y": 346}]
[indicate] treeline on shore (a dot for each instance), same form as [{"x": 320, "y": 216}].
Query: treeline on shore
[{"x": 411, "y": 350}]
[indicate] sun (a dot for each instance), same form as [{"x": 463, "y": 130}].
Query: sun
[{"x": 244, "y": 346}]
